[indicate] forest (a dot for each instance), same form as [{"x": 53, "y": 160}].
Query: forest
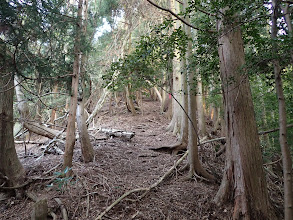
[{"x": 146, "y": 109}]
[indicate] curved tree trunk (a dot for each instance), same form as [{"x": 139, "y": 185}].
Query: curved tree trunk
[
  {"x": 10, "y": 165},
  {"x": 99, "y": 105},
  {"x": 244, "y": 179}
]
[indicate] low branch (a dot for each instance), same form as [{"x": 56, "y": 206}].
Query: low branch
[{"x": 273, "y": 130}]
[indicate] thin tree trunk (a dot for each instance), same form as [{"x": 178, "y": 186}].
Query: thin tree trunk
[
  {"x": 287, "y": 12},
  {"x": 70, "y": 132},
  {"x": 53, "y": 112},
  {"x": 129, "y": 100},
  {"x": 99, "y": 105},
  {"x": 10, "y": 165},
  {"x": 193, "y": 159},
  {"x": 286, "y": 156},
  {"x": 38, "y": 116},
  {"x": 244, "y": 179},
  {"x": 200, "y": 108}
]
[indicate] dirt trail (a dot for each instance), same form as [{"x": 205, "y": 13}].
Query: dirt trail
[{"x": 120, "y": 166}]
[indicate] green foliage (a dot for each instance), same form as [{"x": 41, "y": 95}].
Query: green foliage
[
  {"x": 61, "y": 181},
  {"x": 150, "y": 58}
]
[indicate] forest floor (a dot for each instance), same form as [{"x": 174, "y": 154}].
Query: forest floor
[{"x": 119, "y": 166}]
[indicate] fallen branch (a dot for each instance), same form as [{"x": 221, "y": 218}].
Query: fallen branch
[
  {"x": 146, "y": 189},
  {"x": 273, "y": 162},
  {"x": 28, "y": 142}
]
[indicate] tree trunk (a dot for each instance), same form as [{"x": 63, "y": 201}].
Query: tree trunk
[
  {"x": 38, "y": 116},
  {"x": 53, "y": 112},
  {"x": 84, "y": 138},
  {"x": 70, "y": 132},
  {"x": 10, "y": 165},
  {"x": 286, "y": 156},
  {"x": 200, "y": 108},
  {"x": 129, "y": 101},
  {"x": 176, "y": 86},
  {"x": 86, "y": 146},
  {"x": 287, "y": 13},
  {"x": 244, "y": 179},
  {"x": 99, "y": 105},
  {"x": 193, "y": 159}
]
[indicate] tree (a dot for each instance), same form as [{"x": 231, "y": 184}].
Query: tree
[
  {"x": 286, "y": 156},
  {"x": 178, "y": 93},
  {"x": 10, "y": 165},
  {"x": 70, "y": 132},
  {"x": 244, "y": 178},
  {"x": 86, "y": 146}
]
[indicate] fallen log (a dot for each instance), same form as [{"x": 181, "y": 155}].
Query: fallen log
[{"x": 117, "y": 133}]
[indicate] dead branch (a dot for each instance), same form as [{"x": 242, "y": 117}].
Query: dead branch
[
  {"x": 28, "y": 142},
  {"x": 178, "y": 17},
  {"x": 273, "y": 162},
  {"x": 273, "y": 130},
  {"x": 146, "y": 189},
  {"x": 52, "y": 168}
]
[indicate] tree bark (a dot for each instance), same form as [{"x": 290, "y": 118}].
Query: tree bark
[
  {"x": 10, "y": 165},
  {"x": 70, "y": 132},
  {"x": 177, "y": 112},
  {"x": 129, "y": 101},
  {"x": 84, "y": 138},
  {"x": 244, "y": 178},
  {"x": 53, "y": 112},
  {"x": 286, "y": 156},
  {"x": 200, "y": 108}
]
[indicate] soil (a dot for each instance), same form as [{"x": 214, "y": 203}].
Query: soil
[{"x": 119, "y": 166}]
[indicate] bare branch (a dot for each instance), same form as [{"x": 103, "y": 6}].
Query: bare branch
[{"x": 178, "y": 17}]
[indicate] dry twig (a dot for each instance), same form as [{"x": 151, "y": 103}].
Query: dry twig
[{"x": 146, "y": 189}]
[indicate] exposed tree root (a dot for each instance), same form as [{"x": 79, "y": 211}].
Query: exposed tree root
[
  {"x": 146, "y": 189},
  {"x": 173, "y": 149},
  {"x": 181, "y": 146}
]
